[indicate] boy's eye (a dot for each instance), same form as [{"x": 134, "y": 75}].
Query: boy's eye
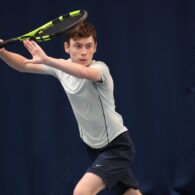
[
  {"x": 89, "y": 46},
  {"x": 78, "y": 46}
]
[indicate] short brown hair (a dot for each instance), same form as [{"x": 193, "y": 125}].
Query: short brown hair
[{"x": 82, "y": 30}]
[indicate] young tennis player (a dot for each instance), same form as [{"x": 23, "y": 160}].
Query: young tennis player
[{"x": 89, "y": 87}]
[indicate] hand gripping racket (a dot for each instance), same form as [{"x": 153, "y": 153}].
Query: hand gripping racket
[{"x": 51, "y": 29}]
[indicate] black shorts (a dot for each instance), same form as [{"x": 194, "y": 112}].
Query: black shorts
[{"x": 112, "y": 164}]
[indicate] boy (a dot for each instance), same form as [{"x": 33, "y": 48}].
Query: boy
[{"x": 89, "y": 88}]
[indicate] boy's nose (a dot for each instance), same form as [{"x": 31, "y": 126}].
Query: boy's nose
[{"x": 84, "y": 51}]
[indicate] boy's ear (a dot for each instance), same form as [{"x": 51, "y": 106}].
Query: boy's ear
[
  {"x": 95, "y": 47},
  {"x": 66, "y": 47}
]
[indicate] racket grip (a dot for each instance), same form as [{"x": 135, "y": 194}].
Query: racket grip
[{"x": 9, "y": 42}]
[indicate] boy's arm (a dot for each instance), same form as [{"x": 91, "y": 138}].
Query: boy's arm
[
  {"x": 71, "y": 68},
  {"x": 17, "y": 62},
  {"x": 74, "y": 69}
]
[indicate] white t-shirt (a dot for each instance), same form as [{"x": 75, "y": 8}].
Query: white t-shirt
[{"x": 93, "y": 105}]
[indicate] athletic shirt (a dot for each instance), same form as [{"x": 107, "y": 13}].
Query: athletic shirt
[{"x": 93, "y": 105}]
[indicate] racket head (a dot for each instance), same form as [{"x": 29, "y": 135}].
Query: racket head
[
  {"x": 52, "y": 29},
  {"x": 57, "y": 27}
]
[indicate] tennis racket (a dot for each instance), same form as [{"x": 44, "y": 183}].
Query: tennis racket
[{"x": 52, "y": 29}]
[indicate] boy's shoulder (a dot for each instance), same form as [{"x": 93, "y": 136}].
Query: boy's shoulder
[{"x": 100, "y": 63}]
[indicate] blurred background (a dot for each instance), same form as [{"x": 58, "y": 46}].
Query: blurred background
[{"x": 149, "y": 47}]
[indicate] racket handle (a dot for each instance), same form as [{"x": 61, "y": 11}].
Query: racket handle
[{"x": 9, "y": 42}]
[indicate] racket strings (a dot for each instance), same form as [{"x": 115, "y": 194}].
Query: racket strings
[{"x": 61, "y": 26}]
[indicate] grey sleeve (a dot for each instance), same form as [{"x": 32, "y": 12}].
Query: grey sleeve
[
  {"x": 51, "y": 71},
  {"x": 103, "y": 69}
]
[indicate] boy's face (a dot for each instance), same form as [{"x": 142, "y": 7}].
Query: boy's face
[{"x": 81, "y": 50}]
